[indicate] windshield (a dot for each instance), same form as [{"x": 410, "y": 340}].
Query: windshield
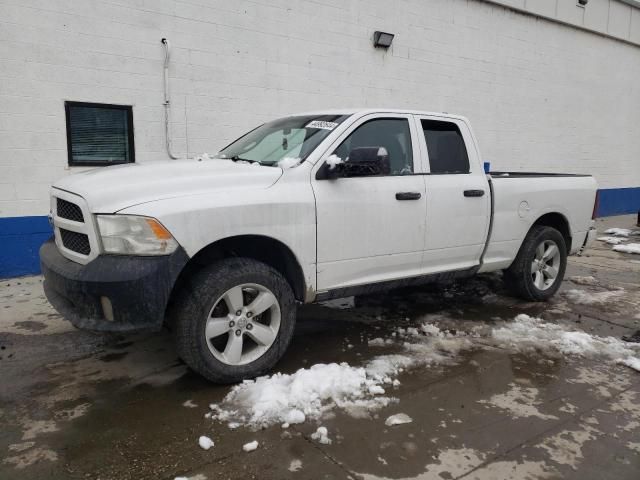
[{"x": 286, "y": 141}]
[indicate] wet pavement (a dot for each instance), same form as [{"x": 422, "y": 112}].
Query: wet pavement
[{"x": 75, "y": 404}]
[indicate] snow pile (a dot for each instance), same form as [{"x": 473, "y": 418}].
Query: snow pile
[
  {"x": 588, "y": 298},
  {"x": 613, "y": 240},
  {"x": 584, "y": 280},
  {"x": 619, "y": 232},
  {"x": 529, "y": 334},
  {"x": 313, "y": 392},
  {"x": 628, "y": 248},
  {"x": 288, "y": 162},
  {"x": 251, "y": 446},
  {"x": 619, "y": 239},
  {"x": 630, "y": 362},
  {"x": 205, "y": 442},
  {"x": 321, "y": 435},
  {"x": 307, "y": 393},
  {"x": 398, "y": 419}
]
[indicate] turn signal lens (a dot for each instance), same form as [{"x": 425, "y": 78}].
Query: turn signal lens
[{"x": 158, "y": 230}]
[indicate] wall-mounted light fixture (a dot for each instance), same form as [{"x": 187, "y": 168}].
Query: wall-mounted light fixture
[
  {"x": 582, "y": 3},
  {"x": 382, "y": 39}
]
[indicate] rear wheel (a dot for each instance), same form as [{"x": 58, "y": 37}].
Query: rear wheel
[
  {"x": 538, "y": 269},
  {"x": 235, "y": 321}
]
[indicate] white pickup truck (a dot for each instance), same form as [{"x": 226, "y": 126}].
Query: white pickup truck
[{"x": 301, "y": 209}]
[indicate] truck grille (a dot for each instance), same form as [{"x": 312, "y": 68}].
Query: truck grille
[
  {"x": 69, "y": 210},
  {"x": 73, "y": 226},
  {"x": 74, "y": 241}
]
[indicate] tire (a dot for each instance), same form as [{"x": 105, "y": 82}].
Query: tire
[
  {"x": 206, "y": 301},
  {"x": 523, "y": 279}
]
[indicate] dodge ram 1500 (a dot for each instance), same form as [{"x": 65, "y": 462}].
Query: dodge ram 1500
[{"x": 301, "y": 209}]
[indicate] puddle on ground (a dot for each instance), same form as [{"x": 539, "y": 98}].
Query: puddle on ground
[{"x": 128, "y": 409}]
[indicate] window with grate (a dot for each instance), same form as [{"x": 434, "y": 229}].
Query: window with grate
[{"x": 99, "y": 134}]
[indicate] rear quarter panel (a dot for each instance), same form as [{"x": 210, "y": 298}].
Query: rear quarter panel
[{"x": 520, "y": 201}]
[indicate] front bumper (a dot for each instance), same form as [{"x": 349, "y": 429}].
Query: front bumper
[{"x": 137, "y": 288}]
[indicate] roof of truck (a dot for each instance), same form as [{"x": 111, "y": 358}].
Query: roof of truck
[{"x": 363, "y": 111}]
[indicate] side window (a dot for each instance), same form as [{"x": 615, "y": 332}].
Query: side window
[
  {"x": 447, "y": 151},
  {"x": 392, "y": 134}
]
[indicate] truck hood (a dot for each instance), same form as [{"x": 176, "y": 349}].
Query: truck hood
[{"x": 110, "y": 189}]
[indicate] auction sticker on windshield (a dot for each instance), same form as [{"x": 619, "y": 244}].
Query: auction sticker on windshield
[{"x": 321, "y": 125}]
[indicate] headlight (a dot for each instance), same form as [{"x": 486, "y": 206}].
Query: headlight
[{"x": 132, "y": 235}]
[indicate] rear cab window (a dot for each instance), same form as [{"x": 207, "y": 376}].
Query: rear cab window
[{"x": 445, "y": 146}]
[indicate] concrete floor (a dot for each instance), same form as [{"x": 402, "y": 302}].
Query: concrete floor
[{"x": 75, "y": 404}]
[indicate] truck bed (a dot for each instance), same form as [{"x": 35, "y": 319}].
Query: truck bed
[{"x": 520, "y": 198}]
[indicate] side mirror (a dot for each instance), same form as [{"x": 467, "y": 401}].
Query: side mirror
[{"x": 362, "y": 162}]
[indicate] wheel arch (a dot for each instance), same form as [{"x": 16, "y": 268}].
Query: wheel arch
[
  {"x": 559, "y": 222},
  {"x": 258, "y": 247}
]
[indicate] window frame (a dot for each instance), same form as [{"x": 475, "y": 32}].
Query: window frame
[
  {"x": 462, "y": 132},
  {"x": 130, "y": 137},
  {"x": 418, "y": 165}
]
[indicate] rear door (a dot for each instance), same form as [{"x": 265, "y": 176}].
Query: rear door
[
  {"x": 372, "y": 228},
  {"x": 458, "y": 196}
]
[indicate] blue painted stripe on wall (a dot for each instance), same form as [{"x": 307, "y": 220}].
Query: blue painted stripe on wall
[
  {"x": 21, "y": 237},
  {"x": 618, "y": 201}
]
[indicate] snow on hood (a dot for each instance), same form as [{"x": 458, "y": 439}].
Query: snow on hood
[{"x": 110, "y": 189}]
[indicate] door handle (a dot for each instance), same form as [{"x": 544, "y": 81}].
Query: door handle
[
  {"x": 408, "y": 196},
  {"x": 473, "y": 193}
]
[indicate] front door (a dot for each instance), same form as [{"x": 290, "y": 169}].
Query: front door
[{"x": 372, "y": 228}]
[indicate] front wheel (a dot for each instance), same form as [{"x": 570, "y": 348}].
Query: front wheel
[
  {"x": 538, "y": 269},
  {"x": 235, "y": 320}
]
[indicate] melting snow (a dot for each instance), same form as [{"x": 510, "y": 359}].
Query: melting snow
[
  {"x": 612, "y": 240},
  {"x": 321, "y": 435},
  {"x": 313, "y": 392},
  {"x": 398, "y": 419},
  {"x": 295, "y": 465},
  {"x": 527, "y": 334},
  {"x": 589, "y": 298},
  {"x": 333, "y": 160},
  {"x": 251, "y": 446},
  {"x": 584, "y": 280},
  {"x": 628, "y": 248},
  {"x": 630, "y": 362},
  {"x": 519, "y": 401},
  {"x": 619, "y": 232},
  {"x": 288, "y": 162},
  {"x": 203, "y": 157},
  {"x": 205, "y": 442}
]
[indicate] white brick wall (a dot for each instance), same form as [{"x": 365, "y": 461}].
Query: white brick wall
[{"x": 542, "y": 96}]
